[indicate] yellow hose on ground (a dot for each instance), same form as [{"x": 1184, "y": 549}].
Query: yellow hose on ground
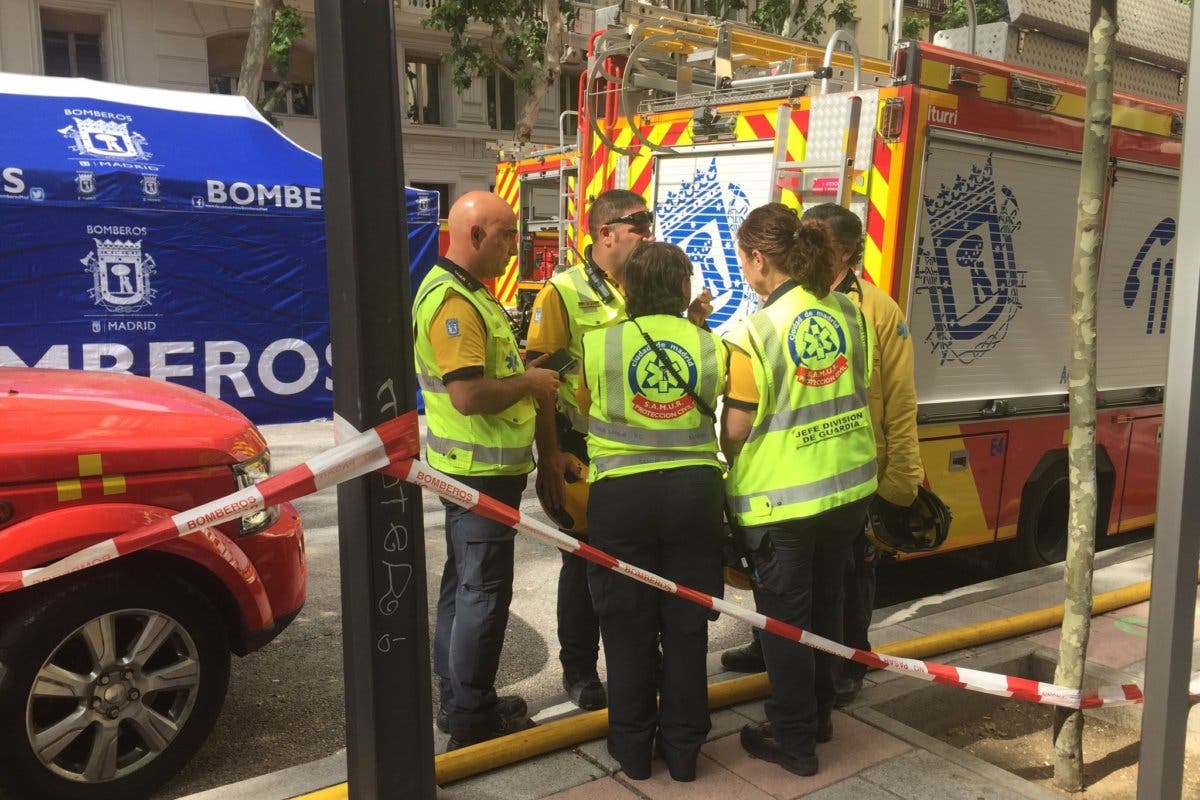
[{"x": 579, "y": 728}]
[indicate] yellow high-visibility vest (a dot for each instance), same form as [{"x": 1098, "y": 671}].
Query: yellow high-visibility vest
[
  {"x": 476, "y": 444},
  {"x": 811, "y": 447},
  {"x": 641, "y": 418}
]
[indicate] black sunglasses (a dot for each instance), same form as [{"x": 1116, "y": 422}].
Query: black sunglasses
[{"x": 639, "y": 220}]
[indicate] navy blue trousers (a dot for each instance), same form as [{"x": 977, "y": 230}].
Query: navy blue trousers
[{"x": 472, "y": 612}]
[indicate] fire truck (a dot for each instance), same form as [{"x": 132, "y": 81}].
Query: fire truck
[{"x": 965, "y": 171}]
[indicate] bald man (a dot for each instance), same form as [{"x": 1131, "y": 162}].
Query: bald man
[{"x": 480, "y": 405}]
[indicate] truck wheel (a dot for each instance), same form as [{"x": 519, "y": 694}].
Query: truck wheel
[
  {"x": 1045, "y": 508},
  {"x": 109, "y": 682}
]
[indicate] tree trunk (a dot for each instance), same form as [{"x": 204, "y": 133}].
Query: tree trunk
[
  {"x": 552, "y": 69},
  {"x": 1081, "y": 527},
  {"x": 791, "y": 23},
  {"x": 250, "y": 78}
]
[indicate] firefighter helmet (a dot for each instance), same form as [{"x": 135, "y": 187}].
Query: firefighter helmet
[
  {"x": 921, "y": 526},
  {"x": 572, "y": 516}
]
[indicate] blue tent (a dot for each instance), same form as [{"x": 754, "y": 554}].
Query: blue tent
[{"x": 170, "y": 234}]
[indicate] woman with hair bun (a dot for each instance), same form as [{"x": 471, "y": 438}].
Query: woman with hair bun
[{"x": 796, "y": 430}]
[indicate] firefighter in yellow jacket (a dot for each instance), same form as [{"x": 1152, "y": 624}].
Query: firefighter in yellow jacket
[
  {"x": 894, "y": 415},
  {"x": 797, "y": 433},
  {"x": 649, "y": 389},
  {"x": 479, "y": 405}
]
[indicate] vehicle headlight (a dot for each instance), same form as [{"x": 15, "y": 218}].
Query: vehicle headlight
[{"x": 249, "y": 473}]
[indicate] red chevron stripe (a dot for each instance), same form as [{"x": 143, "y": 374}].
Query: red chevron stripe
[{"x": 762, "y": 127}]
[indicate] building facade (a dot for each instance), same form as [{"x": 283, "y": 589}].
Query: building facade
[{"x": 198, "y": 46}]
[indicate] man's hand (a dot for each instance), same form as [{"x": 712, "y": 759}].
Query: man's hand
[
  {"x": 542, "y": 383},
  {"x": 700, "y": 308},
  {"x": 552, "y": 475}
]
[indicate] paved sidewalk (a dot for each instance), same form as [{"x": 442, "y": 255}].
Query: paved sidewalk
[{"x": 878, "y": 752}]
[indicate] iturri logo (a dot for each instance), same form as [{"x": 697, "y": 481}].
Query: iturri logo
[{"x": 121, "y": 275}]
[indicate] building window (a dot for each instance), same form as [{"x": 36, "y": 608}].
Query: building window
[
  {"x": 71, "y": 44},
  {"x": 502, "y": 103},
  {"x": 423, "y": 89},
  {"x": 568, "y": 100},
  {"x": 298, "y": 94},
  {"x": 296, "y": 99}
]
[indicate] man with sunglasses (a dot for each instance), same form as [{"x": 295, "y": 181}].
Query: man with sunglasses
[{"x": 585, "y": 297}]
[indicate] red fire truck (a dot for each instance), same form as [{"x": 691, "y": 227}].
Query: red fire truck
[{"x": 965, "y": 172}]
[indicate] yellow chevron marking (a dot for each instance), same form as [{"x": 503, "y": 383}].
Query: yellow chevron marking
[
  {"x": 69, "y": 490},
  {"x": 113, "y": 484},
  {"x": 89, "y": 465}
]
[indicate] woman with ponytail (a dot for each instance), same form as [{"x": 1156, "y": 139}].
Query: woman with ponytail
[{"x": 796, "y": 430}]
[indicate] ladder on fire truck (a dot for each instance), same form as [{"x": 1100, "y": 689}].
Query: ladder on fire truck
[
  {"x": 561, "y": 165},
  {"x": 652, "y": 59}
]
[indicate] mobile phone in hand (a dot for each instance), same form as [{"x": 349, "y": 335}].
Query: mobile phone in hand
[{"x": 560, "y": 361}]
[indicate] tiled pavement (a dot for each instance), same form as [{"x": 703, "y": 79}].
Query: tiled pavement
[{"x": 871, "y": 757}]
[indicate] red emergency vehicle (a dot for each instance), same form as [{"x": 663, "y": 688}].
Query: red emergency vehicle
[
  {"x": 112, "y": 677},
  {"x": 965, "y": 172}
]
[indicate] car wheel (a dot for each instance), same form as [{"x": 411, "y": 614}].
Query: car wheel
[{"x": 109, "y": 682}]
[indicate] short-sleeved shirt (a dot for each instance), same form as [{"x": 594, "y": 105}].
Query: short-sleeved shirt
[
  {"x": 743, "y": 391},
  {"x": 458, "y": 338}
]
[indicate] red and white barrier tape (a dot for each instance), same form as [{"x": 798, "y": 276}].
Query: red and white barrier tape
[
  {"x": 975, "y": 680},
  {"x": 391, "y": 447},
  {"x": 373, "y": 450}
]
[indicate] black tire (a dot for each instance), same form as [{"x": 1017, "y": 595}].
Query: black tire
[
  {"x": 48, "y": 630},
  {"x": 1045, "y": 509}
]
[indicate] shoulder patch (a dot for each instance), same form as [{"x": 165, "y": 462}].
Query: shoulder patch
[
  {"x": 452, "y": 326},
  {"x": 537, "y": 315},
  {"x": 902, "y": 329}
]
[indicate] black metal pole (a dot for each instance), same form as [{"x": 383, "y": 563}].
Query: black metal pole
[{"x": 385, "y": 627}]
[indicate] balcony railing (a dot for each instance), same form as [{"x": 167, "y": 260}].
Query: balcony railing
[{"x": 935, "y": 7}]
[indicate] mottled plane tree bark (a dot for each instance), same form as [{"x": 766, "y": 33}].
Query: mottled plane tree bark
[{"x": 1081, "y": 525}]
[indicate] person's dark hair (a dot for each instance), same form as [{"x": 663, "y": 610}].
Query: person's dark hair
[
  {"x": 845, "y": 226},
  {"x": 610, "y": 205},
  {"x": 654, "y": 277},
  {"x": 801, "y": 250}
]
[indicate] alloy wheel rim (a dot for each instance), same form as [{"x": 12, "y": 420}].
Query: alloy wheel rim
[{"x": 113, "y": 695}]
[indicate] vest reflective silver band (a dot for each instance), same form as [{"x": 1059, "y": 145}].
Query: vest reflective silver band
[
  {"x": 578, "y": 421},
  {"x": 641, "y": 437},
  {"x": 807, "y": 492},
  {"x": 708, "y": 378},
  {"x": 606, "y": 463},
  {"x": 490, "y": 455},
  {"x": 614, "y": 380},
  {"x": 428, "y": 383}
]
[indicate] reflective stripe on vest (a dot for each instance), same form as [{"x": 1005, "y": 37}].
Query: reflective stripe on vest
[
  {"x": 575, "y": 289},
  {"x": 806, "y": 492},
  {"x": 428, "y": 383},
  {"x": 490, "y": 455},
  {"x": 646, "y": 458}
]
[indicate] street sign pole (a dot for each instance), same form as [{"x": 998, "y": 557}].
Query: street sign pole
[
  {"x": 1177, "y": 530},
  {"x": 385, "y": 627}
]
